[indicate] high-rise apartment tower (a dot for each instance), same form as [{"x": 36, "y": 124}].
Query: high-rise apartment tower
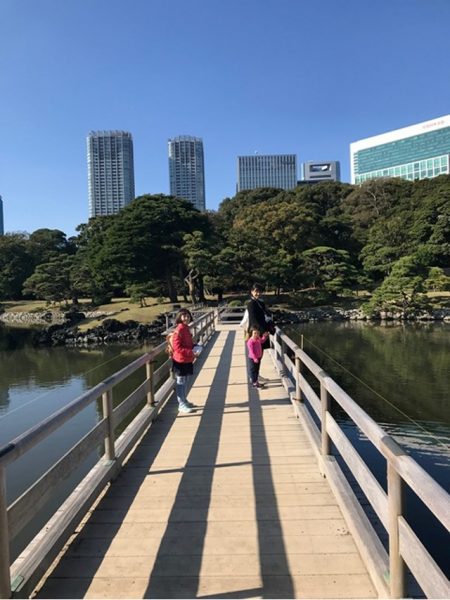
[
  {"x": 2, "y": 231},
  {"x": 276, "y": 171},
  {"x": 416, "y": 152},
  {"x": 110, "y": 171},
  {"x": 187, "y": 169}
]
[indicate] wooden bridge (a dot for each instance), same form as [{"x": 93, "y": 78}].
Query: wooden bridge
[{"x": 240, "y": 499}]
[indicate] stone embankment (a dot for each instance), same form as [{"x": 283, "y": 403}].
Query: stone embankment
[
  {"x": 56, "y": 328},
  {"x": 340, "y": 314},
  {"x": 61, "y": 328},
  {"x": 54, "y": 317}
]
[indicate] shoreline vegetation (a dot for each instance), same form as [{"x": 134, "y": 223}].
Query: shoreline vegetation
[
  {"x": 123, "y": 322},
  {"x": 380, "y": 250}
]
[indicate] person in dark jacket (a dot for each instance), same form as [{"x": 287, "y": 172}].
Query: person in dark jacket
[{"x": 258, "y": 314}]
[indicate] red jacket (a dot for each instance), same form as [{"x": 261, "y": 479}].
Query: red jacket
[{"x": 182, "y": 344}]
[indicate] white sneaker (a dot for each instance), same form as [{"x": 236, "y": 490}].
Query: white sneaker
[{"x": 184, "y": 408}]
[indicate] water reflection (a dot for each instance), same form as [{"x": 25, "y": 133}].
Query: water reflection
[
  {"x": 400, "y": 375},
  {"x": 36, "y": 382}
]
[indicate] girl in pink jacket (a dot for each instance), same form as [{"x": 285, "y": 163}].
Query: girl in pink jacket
[{"x": 255, "y": 352}]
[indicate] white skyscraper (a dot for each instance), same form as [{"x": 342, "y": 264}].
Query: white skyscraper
[
  {"x": 187, "y": 169},
  {"x": 110, "y": 171},
  {"x": 418, "y": 151},
  {"x": 1, "y": 217}
]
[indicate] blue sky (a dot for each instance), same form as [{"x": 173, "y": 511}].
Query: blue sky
[{"x": 273, "y": 76}]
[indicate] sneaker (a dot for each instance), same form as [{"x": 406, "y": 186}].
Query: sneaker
[
  {"x": 190, "y": 404},
  {"x": 184, "y": 408},
  {"x": 256, "y": 384}
]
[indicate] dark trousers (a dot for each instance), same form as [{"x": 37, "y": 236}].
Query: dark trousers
[{"x": 254, "y": 369}]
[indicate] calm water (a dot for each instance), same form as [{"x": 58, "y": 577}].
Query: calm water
[
  {"x": 36, "y": 382},
  {"x": 400, "y": 375},
  {"x": 407, "y": 367}
]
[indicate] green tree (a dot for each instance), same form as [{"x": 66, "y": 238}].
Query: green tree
[
  {"x": 46, "y": 243},
  {"x": 401, "y": 289},
  {"x": 16, "y": 264},
  {"x": 52, "y": 281},
  {"x": 144, "y": 240},
  {"x": 329, "y": 269},
  {"x": 90, "y": 277},
  {"x": 198, "y": 257}
]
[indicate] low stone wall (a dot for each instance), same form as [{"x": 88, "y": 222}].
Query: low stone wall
[
  {"x": 340, "y": 314},
  {"x": 55, "y": 317},
  {"x": 60, "y": 328}
]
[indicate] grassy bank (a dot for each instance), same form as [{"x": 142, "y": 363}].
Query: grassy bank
[{"x": 119, "y": 308}]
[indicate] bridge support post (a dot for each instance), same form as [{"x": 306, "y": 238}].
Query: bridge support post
[
  {"x": 149, "y": 369},
  {"x": 5, "y": 579},
  {"x": 298, "y": 372},
  {"x": 324, "y": 406},
  {"x": 107, "y": 401},
  {"x": 395, "y": 510}
]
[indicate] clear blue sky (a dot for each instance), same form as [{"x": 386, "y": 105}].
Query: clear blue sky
[{"x": 273, "y": 76}]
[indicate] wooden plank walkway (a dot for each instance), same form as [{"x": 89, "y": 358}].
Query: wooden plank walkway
[{"x": 226, "y": 502}]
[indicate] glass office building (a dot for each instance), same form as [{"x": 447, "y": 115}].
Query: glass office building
[
  {"x": 110, "y": 171},
  {"x": 275, "y": 171},
  {"x": 187, "y": 169},
  {"x": 414, "y": 152}
]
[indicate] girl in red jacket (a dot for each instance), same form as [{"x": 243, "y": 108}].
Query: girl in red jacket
[{"x": 182, "y": 358}]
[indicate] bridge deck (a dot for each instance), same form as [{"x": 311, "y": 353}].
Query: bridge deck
[{"x": 226, "y": 502}]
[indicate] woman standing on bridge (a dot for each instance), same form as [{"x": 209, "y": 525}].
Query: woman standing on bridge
[
  {"x": 182, "y": 358},
  {"x": 258, "y": 315}
]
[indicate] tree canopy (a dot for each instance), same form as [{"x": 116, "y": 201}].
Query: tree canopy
[{"x": 391, "y": 234}]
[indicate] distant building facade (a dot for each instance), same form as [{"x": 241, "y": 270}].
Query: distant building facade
[
  {"x": 2, "y": 229},
  {"x": 110, "y": 171},
  {"x": 187, "y": 169},
  {"x": 328, "y": 170},
  {"x": 416, "y": 152},
  {"x": 276, "y": 171}
]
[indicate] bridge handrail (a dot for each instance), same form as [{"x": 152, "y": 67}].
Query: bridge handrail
[
  {"x": 388, "y": 570},
  {"x": 14, "y": 517}
]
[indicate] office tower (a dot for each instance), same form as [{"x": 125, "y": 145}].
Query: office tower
[
  {"x": 187, "y": 169},
  {"x": 276, "y": 171},
  {"x": 413, "y": 152},
  {"x": 328, "y": 170},
  {"x": 110, "y": 171},
  {"x": 2, "y": 231}
]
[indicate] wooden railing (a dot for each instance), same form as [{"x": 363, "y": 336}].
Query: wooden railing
[
  {"x": 386, "y": 568},
  {"x": 20, "y": 577},
  {"x": 230, "y": 314}
]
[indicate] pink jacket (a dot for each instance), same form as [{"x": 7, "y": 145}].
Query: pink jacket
[{"x": 255, "y": 350}]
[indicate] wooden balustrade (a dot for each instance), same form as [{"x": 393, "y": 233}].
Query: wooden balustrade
[
  {"x": 20, "y": 577},
  {"x": 386, "y": 568}
]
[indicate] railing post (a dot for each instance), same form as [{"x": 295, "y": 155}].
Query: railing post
[
  {"x": 149, "y": 370},
  {"x": 107, "y": 402},
  {"x": 324, "y": 408},
  {"x": 395, "y": 509},
  {"x": 298, "y": 371},
  {"x": 5, "y": 579}
]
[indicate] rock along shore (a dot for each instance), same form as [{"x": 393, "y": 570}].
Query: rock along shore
[{"x": 61, "y": 328}]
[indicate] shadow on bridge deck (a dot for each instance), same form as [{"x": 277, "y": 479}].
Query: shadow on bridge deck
[{"x": 226, "y": 502}]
